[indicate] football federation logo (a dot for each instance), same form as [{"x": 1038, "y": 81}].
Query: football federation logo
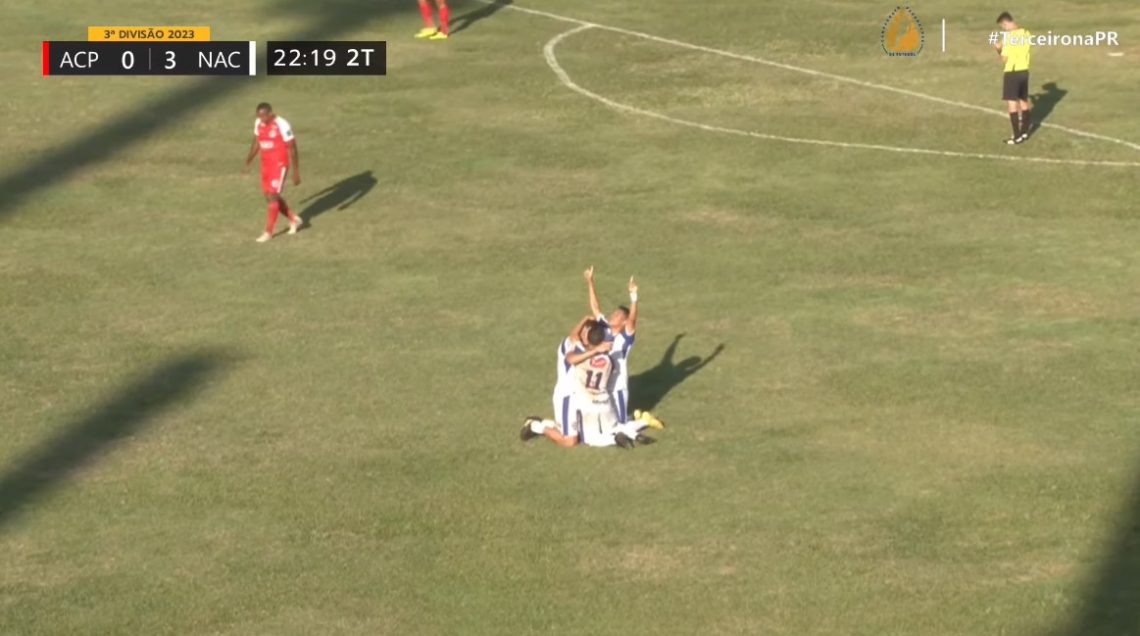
[{"x": 902, "y": 34}]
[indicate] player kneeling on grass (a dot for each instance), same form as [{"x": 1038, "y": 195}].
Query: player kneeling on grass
[
  {"x": 592, "y": 418},
  {"x": 621, "y": 327},
  {"x": 273, "y": 138},
  {"x": 564, "y": 373},
  {"x": 566, "y": 380}
]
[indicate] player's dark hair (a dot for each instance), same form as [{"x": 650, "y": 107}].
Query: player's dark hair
[
  {"x": 1005, "y": 17},
  {"x": 264, "y": 106},
  {"x": 623, "y": 309},
  {"x": 596, "y": 335}
]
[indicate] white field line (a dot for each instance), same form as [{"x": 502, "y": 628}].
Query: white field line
[
  {"x": 831, "y": 76},
  {"x": 564, "y": 77}
]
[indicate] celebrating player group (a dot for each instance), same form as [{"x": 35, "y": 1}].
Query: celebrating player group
[{"x": 591, "y": 394}]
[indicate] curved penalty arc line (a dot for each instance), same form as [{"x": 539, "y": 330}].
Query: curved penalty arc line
[
  {"x": 564, "y": 77},
  {"x": 801, "y": 69}
]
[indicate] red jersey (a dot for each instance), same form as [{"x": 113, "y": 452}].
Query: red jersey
[{"x": 273, "y": 138}]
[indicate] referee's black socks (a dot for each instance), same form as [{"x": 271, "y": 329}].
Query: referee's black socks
[
  {"x": 1025, "y": 122},
  {"x": 1016, "y": 124}
]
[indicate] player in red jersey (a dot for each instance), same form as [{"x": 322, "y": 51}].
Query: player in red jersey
[
  {"x": 273, "y": 137},
  {"x": 430, "y": 32}
]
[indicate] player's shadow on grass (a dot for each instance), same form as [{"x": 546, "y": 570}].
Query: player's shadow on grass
[
  {"x": 47, "y": 466},
  {"x": 98, "y": 142},
  {"x": 340, "y": 195},
  {"x": 1045, "y": 101},
  {"x": 1111, "y": 606},
  {"x": 465, "y": 21},
  {"x": 648, "y": 388}
]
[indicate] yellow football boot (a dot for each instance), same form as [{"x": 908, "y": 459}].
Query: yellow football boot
[{"x": 651, "y": 420}]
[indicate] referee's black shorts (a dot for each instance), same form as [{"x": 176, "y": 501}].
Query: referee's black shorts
[{"x": 1015, "y": 85}]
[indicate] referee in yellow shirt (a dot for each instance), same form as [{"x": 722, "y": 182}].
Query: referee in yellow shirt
[{"x": 1014, "y": 51}]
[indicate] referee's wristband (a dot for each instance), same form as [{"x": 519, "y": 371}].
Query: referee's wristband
[{"x": 633, "y": 298}]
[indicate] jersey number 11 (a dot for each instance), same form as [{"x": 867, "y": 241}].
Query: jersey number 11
[{"x": 594, "y": 380}]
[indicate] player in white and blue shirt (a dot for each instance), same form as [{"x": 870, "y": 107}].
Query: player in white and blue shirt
[
  {"x": 583, "y": 395},
  {"x": 623, "y": 344},
  {"x": 621, "y": 326},
  {"x": 564, "y": 385},
  {"x": 620, "y": 329}
]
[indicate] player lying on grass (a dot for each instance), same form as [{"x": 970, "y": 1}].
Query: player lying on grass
[
  {"x": 273, "y": 138},
  {"x": 590, "y": 417}
]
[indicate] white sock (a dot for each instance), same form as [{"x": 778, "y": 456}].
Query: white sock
[
  {"x": 630, "y": 428},
  {"x": 538, "y": 426}
]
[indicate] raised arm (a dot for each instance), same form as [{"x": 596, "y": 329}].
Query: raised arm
[
  {"x": 631, "y": 324},
  {"x": 595, "y": 308}
]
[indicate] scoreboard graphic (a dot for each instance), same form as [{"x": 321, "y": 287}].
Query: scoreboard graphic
[
  {"x": 169, "y": 50},
  {"x": 150, "y": 58}
]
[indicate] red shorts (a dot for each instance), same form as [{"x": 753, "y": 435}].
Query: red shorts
[{"x": 273, "y": 178}]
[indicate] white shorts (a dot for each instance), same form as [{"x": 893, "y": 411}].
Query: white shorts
[
  {"x": 562, "y": 401},
  {"x": 593, "y": 422}
]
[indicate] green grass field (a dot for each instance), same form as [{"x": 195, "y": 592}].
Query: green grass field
[{"x": 903, "y": 400}]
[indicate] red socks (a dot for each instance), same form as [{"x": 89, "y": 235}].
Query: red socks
[
  {"x": 271, "y": 219},
  {"x": 429, "y": 22}
]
